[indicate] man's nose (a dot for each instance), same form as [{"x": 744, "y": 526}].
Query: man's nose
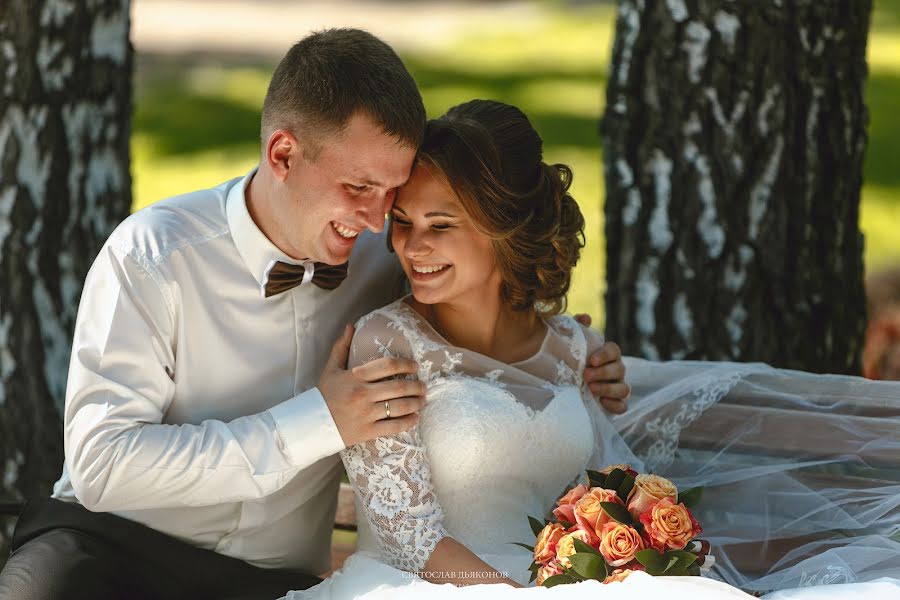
[{"x": 373, "y": 211}]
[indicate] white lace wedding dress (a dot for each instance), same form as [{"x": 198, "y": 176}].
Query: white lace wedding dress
[{"x": 498, "y": 442}]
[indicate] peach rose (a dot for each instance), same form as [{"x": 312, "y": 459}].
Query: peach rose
[
  {"x": 589, "y": 514},
  {"x": 547, "y": 539},
  {"x": 548, "y": 570},
  {"x": 627, "y": 468},
  {"x": 619, "y": 543},
  {"x": 573, "y": 495},
  {"x": 647, "y": 491},
  {"x": 565, "y": 511},
  {"x": 566, "y": 546},
  {"x": 670, "y": 525},
  {"x": 618, "y": 575}
]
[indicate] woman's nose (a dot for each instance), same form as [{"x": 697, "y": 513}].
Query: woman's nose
[{"x": 416, "y": 244}]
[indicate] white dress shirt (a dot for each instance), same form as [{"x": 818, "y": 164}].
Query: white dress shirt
[{"x": 190, "y": 404}]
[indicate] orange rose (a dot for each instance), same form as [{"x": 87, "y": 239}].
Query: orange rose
[
  {"x": 647, "y": 491},
  {"x": 589, "y": 514},
  {"x": 547, "y": 539},
  {"x": 548, "y": 570},
  {"x": 671, "y": 525},
  {"x": 566, "y": 546},
  {"x": 619, "y": 543},
  {"x": 618, "y": 575}
]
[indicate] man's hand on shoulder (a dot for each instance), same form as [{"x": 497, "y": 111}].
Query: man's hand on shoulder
[
  {"x": 370, "y": 401},
  {"x": 605, "y": 374}
]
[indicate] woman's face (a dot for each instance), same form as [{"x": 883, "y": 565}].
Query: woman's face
[{"x": 446, "y": 259}]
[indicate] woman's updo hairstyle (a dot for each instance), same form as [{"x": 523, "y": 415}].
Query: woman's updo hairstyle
[{"x": 491, "y": 157}]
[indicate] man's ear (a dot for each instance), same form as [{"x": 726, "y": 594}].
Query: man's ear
[{"x": 282, "y": 150}]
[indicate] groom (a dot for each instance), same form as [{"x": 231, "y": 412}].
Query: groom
[{"x": 203, "y": 411}]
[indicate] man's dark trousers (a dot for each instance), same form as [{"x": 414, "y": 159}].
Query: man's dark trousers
[{"x": 61, "y": 550}]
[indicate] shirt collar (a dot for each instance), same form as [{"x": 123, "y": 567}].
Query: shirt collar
[{"x": 258, "y": 252}]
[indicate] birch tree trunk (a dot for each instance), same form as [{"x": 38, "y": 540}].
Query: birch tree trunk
[
  {"x": 65, "y": 113},
  {"x": 733, "y": 150}
]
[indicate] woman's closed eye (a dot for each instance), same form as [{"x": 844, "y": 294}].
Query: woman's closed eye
[{"x": 401, "y": 222}]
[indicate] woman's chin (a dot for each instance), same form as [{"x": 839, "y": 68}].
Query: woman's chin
[{"x": 425, "y": 296}]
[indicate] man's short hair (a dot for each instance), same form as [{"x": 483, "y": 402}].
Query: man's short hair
[{"x": 329, "y": 76}]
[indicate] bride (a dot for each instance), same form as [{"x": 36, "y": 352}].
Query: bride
[{"x": 488, "y": 235}]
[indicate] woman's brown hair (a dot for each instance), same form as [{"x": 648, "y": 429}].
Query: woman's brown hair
[{"x": 492, "y": 158}]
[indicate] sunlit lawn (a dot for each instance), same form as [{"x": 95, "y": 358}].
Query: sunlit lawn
[{"x": 196, "y": 122}]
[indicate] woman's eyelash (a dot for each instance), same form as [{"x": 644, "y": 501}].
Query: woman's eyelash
[{"x": 437, "y": 227}]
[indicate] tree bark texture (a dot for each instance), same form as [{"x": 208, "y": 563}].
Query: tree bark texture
[
  {"x": 65, "y": 123},
  {"x": 734, "y": 135}
]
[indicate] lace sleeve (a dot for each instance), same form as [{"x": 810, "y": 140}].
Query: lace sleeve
[{"x": 391, "y": 475}]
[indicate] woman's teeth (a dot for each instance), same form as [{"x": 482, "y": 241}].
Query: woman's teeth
[
  {"x": 432, "y": 269},
  {"x": 344, "y": 231}
]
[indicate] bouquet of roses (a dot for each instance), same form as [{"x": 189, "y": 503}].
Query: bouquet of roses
[{"x": 620, "y": 522}]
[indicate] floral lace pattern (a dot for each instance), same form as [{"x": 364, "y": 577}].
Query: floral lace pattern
[{"x": 477, "y": 411}]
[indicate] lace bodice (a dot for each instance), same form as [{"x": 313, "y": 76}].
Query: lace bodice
[{"x": 495, "y": 442}]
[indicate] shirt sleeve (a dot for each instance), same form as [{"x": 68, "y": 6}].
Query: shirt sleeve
[
  {"x": 119, "y": 453},
  {"x": 391, "y": 475}
]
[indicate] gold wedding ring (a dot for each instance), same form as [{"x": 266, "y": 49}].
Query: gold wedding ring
[{"x": 387, "y": 409}]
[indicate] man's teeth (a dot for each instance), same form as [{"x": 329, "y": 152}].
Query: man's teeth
[
  {"x": 344, "y": 231},
  {"x": 433, "y": 269}
]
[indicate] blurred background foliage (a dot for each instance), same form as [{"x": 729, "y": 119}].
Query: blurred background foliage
[{"x": 197, "y": 113}]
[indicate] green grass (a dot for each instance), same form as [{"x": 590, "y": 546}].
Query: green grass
[{"x": 196, "y": 122}]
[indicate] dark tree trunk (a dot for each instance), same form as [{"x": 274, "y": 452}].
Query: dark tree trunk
[
  {"x": 733, "y": 150},
  {"x": 65, "y": 122}
]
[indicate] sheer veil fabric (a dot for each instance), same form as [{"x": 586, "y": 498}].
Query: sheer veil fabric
[{"x": 498, "y": 442}]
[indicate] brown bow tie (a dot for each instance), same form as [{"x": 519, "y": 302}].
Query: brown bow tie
[{"x": 284, "y": 276}]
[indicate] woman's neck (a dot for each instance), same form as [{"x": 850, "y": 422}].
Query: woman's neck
[{"x": 487, "y": 326}]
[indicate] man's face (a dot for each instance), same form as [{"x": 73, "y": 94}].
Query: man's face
[{"x": 349, "y": 187}]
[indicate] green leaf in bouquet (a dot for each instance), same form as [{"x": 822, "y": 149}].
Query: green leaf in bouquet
[
  {"x": 691, "y": 497},
  {"x": 536, "y": 526},
  {"x": 679, "y": 560},
  {"x": 595, "y": 478},
  {"x": 566, "y": 524},
  {"x": 533, "y": 576},
  {"x": 617, "y": 512},
  {"x": 693, "y": 570},
  {"x": 526, "y": 546},
  {"x": 534, "y": 567},
  {"x": 588, "y": 565},
  {"x": 653, "y": 560},
  {"x": 614, "y": 479},
  {"x": 558, "y": 579},
  {"x": 625, "y": 488},
  {"x": 583, "y": 547}
]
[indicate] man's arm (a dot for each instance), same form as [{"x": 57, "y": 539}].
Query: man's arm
[{"x": 121, "y": 456}]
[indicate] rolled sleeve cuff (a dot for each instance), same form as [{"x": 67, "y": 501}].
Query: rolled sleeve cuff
[{"x": 306, "y": 427}]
